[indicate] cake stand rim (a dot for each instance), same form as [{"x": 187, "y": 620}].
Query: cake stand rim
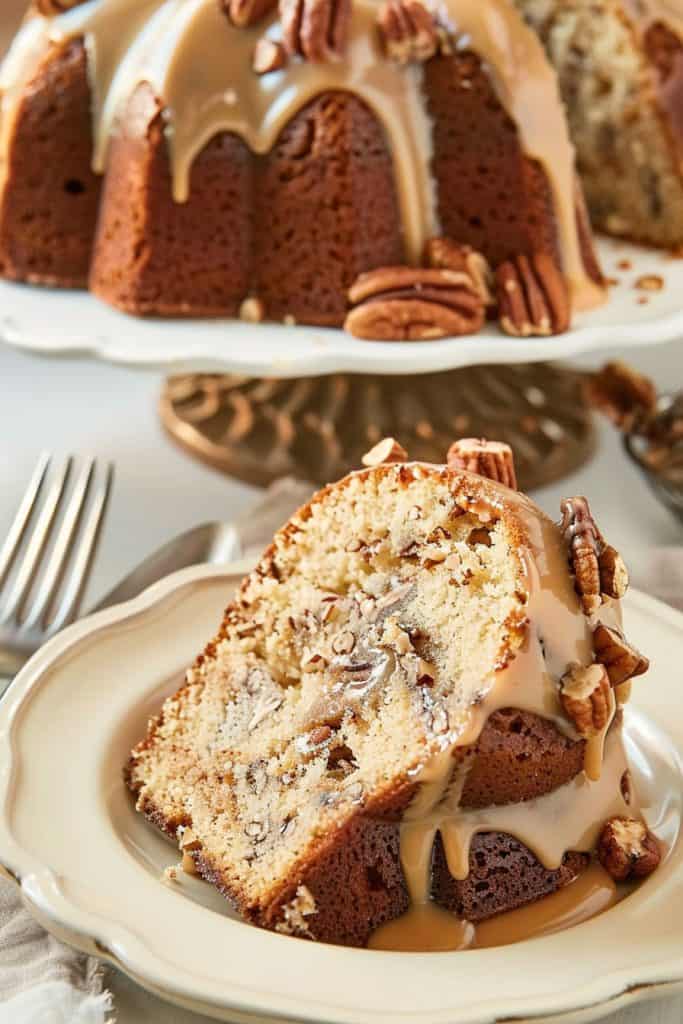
[{"x": 53, "y": 322}]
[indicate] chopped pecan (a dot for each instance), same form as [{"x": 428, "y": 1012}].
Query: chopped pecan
[
  {"x": 408, "y": 31},
  {"x": 245, "y": 13},
  {"x": 620, "y": 659},
  {"x": 532, "y": 296},
  {"x": 268, "y": 56},
  {"x": 413, "y": 304},
  {"x": 627, "y": 849},
  {"x": 386, "y": 450},
  {"x": 492, "y": 459},
  {"x": 586, "y": 696},
  {"x": 315, "y": 29},
  {"x": 445, "y": 254},
  {"x": 623, "y": 395},
  {"x": 598, "y": 568}
]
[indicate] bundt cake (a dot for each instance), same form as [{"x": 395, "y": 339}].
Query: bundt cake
[
  {"x": 415, "y": 700},
  {"x": 620, "y": 66},
  {"x": 206, "y": 158}
]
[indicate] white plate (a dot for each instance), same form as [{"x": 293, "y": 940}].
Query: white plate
[
  {"x": 90, "y": 867},
  {"x": 54, "y": 322}
]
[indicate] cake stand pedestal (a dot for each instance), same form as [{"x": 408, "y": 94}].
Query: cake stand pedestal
[{"x": 318, "y": 428}]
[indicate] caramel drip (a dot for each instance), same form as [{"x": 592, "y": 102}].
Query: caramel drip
[
  {"x": 200, "y": 67},
  {"x": 595, "y": 746},
  {"x": 528, "y": 89},
  {"x": 568, "y": 818},
  {"x": 429, "y": 928}
]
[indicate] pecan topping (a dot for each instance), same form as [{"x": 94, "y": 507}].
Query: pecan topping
[
  {"x": 621, "y": 394},
  {"x": 408, "y": 31},
  {"x": 413, "y": 304},
  {"x": 487, "y": 458},
  {"x": 613, "y": 572},
  {"x": 532, "y": 296},
  {"x": 627, "y": 849},
  {"x": 620, "y": 659},
  {"x": 315, "y": 29},
  {"x": 598, "y": 568},
  {"x": 268, "y": 56},
  {"x": 586, "y": 696},
  {"x": 444, "y": 254},
  {"x": 245, "y": 13},
  {"x": 386, "y": 450}
]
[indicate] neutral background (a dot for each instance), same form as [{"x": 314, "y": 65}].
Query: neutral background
[{"x": 75, "y": 406}]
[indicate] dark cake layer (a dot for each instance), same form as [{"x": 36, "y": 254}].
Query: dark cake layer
[
  {"x": 356, "y": 878},
  {"x": 49, "y": 210}
]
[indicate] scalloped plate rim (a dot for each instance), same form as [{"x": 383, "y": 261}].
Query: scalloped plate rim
[
  {"x": 37, "y": 315},
  {"x": 94, "y": 933}
]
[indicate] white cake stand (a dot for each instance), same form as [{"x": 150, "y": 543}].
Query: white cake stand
[{"x": 261, "y": 400}]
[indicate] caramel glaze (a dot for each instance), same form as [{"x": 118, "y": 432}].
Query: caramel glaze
[
  {"x": 428, "y": 928},
  {"x": 200, "y": 65},
  {"x": 568, "y": 818}
]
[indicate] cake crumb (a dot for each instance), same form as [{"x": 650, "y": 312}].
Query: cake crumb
[{"x": 649, "y": 283}]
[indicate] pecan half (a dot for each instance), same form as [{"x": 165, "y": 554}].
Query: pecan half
[
  {"x": 493, "y": 459},
  {"x": 245, "y": 13},
  {"x": 445, "y": 254},
  {"x": 413, "y": 304},
  {"x": 586, "y": 696},
  {"x": 620, "y": 659},
  {"x": 533, "y": 298},
  {"x": 598, "y": 568},
  {"x": 621, "y": 394},
  {"x": 268, "y": 56},
  {"x": 613, "y": 573},
  {"x": 408, "y": 31},
  {"x": 627, "y": 849},
  {"x": 315, "y": 29},
  {"x": 386, "y": 450}
]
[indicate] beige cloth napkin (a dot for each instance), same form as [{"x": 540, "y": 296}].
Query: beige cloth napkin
[{"x": 41, "y": 980}]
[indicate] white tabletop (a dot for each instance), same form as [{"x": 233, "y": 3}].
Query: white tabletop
[{"x": 89, "y": 408}]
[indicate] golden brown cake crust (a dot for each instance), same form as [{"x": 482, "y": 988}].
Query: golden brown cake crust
[{"x": 51, "y": 196}]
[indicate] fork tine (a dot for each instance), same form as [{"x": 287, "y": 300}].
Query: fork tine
[
  {"x": 62, "y": 548},
  {"x": 21, "y": 520},
  {"x": 36, "y": 544},
  {"x": 83, "y": 561}
]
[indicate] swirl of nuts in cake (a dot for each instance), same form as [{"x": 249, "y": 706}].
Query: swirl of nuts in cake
[{"x": 383, "y": 613}]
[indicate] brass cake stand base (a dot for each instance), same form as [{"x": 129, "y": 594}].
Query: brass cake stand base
[{"x": 318, "y": 428}]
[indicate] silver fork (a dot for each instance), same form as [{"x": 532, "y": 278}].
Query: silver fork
[{"x": 47, "y": 588}]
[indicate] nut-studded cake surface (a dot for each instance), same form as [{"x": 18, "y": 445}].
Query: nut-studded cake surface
[{"x": 404, "y": 663}]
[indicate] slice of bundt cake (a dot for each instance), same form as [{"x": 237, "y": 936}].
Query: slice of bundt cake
[
  {"x": 407, "y": 673},
  {"x": 239, "y": 185},
  {"x": 620, "y": 66}
]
